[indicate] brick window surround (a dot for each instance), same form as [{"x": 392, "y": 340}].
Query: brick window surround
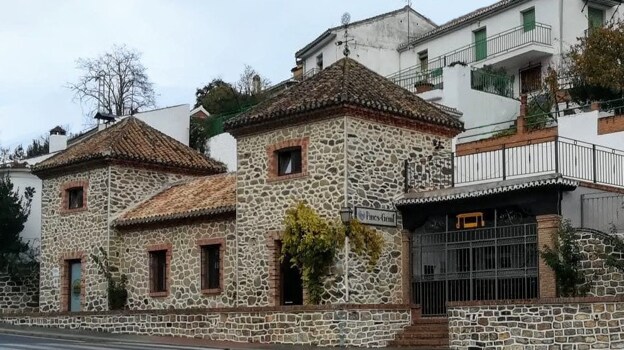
[
  {"x": 207, "y": 242},
  {"x": 65, "y": 260},
  {"x": 273, "y": 243},
  {"x": 155, "y": 248},
  {"x": 272, "y": 155},
  {"x": 64, "y": 194}
]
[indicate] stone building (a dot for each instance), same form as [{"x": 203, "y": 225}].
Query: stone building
[{"x": 84, "y": 188}]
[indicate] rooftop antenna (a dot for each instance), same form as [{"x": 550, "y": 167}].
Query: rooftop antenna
[{"x": 346, "y": 19}]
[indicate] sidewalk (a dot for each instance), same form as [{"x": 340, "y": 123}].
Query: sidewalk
[{"x": 82, "y": 335}]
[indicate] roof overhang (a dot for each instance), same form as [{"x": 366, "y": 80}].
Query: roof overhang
[
  {"x": 322, "y": 39},
  {"x": 486, "y": 189},
  {"x": 173, "y": 217}
]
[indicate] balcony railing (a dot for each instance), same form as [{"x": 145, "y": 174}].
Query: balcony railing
[
  {"x": 495, "y": 45},
  {"x": 555, "y": 155},
  {"x": 489, "y": 82},
  {"x": 420, "y": 81}
]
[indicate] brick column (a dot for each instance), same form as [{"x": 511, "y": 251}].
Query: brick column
[
  {"x": 547, "y": 227},
  {"x": 406, "y": 278}
]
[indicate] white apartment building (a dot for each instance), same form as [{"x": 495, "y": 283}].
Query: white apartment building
[
  {"x": 372, "y": 41},
  {"x": 516, "y": 39}
]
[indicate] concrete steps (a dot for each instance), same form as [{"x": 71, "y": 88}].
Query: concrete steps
[{"x": 424, "y": 333}]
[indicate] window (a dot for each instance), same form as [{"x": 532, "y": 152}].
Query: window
[
  {"x": 158, "y": 271},
  {"x": 75, "y": 196},
  {"x": 289, "y": 161},
  {"x": 211, "y": 267},
  {"x": 531, "y": 79},
  {"x": 423, "y": 57},
  {"x": 319, "y": 62},
  {"x": 480, "y": 41},
  {"x": 595, "y": 17},
  {"x": 528, "y": 19}
]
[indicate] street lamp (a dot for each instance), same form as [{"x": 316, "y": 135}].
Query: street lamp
[{"x": 345, "y": 215}]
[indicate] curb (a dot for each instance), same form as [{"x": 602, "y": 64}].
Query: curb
[{"x": 83, "y": 337}]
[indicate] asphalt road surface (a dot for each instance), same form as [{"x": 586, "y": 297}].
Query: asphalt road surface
[{"x": 18, "y": 342}]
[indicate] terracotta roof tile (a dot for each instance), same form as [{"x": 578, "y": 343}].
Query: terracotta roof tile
[
  {"x": 208, "y": 195},
  {"x": 346, "y": 83},
  {"x": 133, "y": 140}
]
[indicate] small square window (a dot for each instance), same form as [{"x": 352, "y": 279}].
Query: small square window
[
  {"x": 158, "y": 271},
  {"x": 75, "y": 198},
  {"x": 211, "y": 266},
  {"x": 289, "y": 161}
]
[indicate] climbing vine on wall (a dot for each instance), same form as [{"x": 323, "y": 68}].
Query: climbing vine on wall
[
  {"x": 565, "y": 257},
  {"x": 312, "y": 243},
  {"x": 117, "y": 292}
]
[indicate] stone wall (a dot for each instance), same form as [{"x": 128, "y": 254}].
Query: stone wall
[
  {"x": 18, "y": 297},
  {"x": 83, "y": 232},
  {"x": 549, "y": 325},
  {"x": 361, "y": 326},
  {"x": 185, "y": 282},
  {"x": 262, "y": 201},
  {"x": 376, "y": 156},
  {"x": 606, "y": 281}
]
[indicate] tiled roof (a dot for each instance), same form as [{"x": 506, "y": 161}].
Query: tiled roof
[
  {"x": 346, "y": 83},
  {"x": 133, "y": 140},
  {"x": 481, "y": 190},
  {"x": 465, "y": 19},
  {"x": 204, "y": 196}
]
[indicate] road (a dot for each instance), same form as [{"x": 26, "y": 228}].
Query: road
[{"x": 18, "y": 342}]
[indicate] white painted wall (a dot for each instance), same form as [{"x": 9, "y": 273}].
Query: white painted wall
[
  {"x": 374, "y": 43},
  {"x": 223, "y": 148},
  {"x": 21, "y": 179},
  {"x": 584, "y": 127},
  {"x": 173, "y": 121}
]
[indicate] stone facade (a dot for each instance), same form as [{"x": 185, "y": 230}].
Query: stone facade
[
  {"x": 185, "y": 282},
  {"x": 365, "y": 173},
  {"x": 547, "y": 325},
  {"x": 262, "y": 201},
  {"x": 109, "y": 190},
  {"x": 363, "y": 327},
  {"x": 606, "y": 281},
  {"x": 376, "y": 156},
  {"x": 18, "y": 297}
]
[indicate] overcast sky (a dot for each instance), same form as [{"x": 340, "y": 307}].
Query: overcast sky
[{"x": 185, "y": 44}]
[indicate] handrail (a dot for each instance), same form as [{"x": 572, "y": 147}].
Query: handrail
[{"x": 495, "y": 44}]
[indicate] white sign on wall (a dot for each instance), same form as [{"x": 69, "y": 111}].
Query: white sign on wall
[{"x": 376, "y": 217}]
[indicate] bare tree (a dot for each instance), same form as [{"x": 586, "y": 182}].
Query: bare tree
[
  {"x": 251, "y": 83},
  {"x": 115, "y": 82}
]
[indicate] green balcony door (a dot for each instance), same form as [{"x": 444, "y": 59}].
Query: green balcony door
[
  {"x": 596, "y": 18},
  {"x": 528, "y": 20},
  {"x": 480, "y": 40}
]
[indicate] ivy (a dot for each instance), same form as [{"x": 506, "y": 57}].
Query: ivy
[
  {"x": 313, "y": 243},
  {"x": 117, "y": 292},
  {"x": 565, "y": 257}
]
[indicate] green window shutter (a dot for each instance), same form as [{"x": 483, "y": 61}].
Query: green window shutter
[
  {"x": 480, "y": 40},
  {"x": 528, "y": 20},
  {"x": 596, "y": 18}
]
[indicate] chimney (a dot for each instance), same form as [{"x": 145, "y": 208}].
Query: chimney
[
  {"x": 297, "y": 72},
  {"x": 256, "y": 85},
  {"x": 58, "y": 140}
]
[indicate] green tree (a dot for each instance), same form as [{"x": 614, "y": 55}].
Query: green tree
[
  {"x": 564, "y": 258},
  {"x": 38, "y": 147},
  {"x": 224, "y": 100},
  {"x": 15, "y": 254},
  {"x": 595, "y": 65}
]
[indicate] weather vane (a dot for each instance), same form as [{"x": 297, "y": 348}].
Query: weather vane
[{"x": 346, "y": 19}]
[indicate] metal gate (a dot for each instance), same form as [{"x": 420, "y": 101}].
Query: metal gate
[
  {"x": 493, "y": 263},
  {"x": 603, "y": 212}
]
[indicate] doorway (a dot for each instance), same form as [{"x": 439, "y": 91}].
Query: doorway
[
  {"x": 291, "y": 284},
  {"x": 75, "y": 285}
]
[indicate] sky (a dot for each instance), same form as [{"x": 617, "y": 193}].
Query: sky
[{"x": 184, "y": 45}]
